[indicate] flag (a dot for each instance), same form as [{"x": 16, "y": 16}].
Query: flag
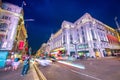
[{"x": 24, "y": 3}]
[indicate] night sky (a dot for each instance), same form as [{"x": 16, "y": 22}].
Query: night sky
[{"x": 49, "y": 15}]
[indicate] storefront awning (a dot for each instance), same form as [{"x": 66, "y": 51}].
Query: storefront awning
[{"x": 112, "y": 38}]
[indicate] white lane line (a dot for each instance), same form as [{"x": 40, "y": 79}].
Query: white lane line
[
  {"x": 78, "y": 66},
  {"x": 86, "y": 75},
  {"x": 79, "y": 72}
]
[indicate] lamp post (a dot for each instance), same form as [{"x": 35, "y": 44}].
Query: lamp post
[
  {"x": 117, "y": 24},
  {"x": 28, "y": 20},
  {"x": 29, "y": 48},
  {"x": 75, "y": 44}
]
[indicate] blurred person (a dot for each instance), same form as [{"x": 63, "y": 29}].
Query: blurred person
[
  {"x": 8, "y": 64},
  {"x": 15, "y": 64},
  {"x": 25, "y": 66},
  {"x": 53, "y": 59}
]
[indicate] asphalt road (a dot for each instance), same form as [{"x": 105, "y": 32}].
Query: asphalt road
[
  {"x": 60, "y": 72},
  {"x": 105, "y": 69}
]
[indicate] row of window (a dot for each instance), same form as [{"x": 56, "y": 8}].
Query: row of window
[
  {"x": 84, "y": 39},
  {"x": 102, "y": 37},
  {"x": 13, "y": 9},
  {"x": 6, "y": 17}
]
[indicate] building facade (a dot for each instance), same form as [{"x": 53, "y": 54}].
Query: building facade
[
  {"x": 12, "y": 32},
  {"x": 9, "y": 17},
  {"x": 20, "y": 42},
  {"x": 42, "y": 51},
  {"x": 86, "y": 36}
]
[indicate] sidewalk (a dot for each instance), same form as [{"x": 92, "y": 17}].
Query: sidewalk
[{"x": 16, "y": 75}]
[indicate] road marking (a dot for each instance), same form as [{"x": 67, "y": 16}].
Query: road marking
[
  {"x": 81, "y": 67},
  {"x": 86, "y": 75},
  {"x": 74, "y": 65},
  {"x": 39, "y": 73}
]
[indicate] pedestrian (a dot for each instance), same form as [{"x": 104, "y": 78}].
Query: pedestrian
[
  {"x": 8, "y": 64},
  {"x": 25, "y": 66},
  {"x": 53, "y": 59},
  {"x": 15, "y": 63}
]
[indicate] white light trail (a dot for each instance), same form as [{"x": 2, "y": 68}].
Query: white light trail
[
  {"x": 86, "y": 75},
  {"x": 78, "y": 66},
  {"x": 74, "y": 65}
]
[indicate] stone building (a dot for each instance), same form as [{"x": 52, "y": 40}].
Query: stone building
[{"x": 87, "y": 36}]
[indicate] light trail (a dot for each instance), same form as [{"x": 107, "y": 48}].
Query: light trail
[
  {"x": 78, "y": 66},
  {"x": 74, "y": 65}
]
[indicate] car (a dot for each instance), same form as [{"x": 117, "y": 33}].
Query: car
[{"x": 43, "y": 62}]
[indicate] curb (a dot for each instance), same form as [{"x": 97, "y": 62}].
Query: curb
[
  {"x": 39, "y": 73},
  {"x": 35, "y": 75}
]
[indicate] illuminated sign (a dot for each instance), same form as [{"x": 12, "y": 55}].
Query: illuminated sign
[
  {"x": 112, "y": 38},
  {"x": 21, "y": 45}
]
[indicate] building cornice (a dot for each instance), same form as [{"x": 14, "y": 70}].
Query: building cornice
[
  {"x": 59, "y": 32},
  {"x": 11, "y": 13}
]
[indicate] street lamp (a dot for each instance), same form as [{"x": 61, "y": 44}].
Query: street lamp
[
  {"x": 29, "y": 20},
  {"x": 75, "y": 44}
]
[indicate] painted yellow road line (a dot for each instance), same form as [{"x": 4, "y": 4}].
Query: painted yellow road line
[{"x": 40, "y": 74}]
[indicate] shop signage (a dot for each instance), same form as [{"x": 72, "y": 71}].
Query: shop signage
[{"x": 21, "y": 45}]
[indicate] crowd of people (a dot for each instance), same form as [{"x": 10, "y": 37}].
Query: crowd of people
[{"x": 14, "y": 63}]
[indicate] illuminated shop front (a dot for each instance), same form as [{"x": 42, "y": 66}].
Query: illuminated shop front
[
  {"x": 84, "y": 53},
  {"x": 59, "y": 52},
  {"x": 114, "y": 45}
]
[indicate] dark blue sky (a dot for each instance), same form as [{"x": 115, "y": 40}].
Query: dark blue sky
[{"x": 49, "y": 14}]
